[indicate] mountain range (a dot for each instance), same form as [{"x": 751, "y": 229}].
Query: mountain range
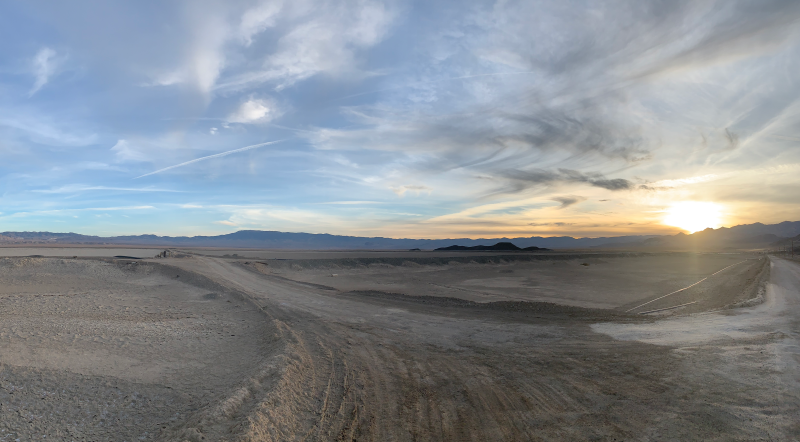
[{"x": 748, "y": 236}]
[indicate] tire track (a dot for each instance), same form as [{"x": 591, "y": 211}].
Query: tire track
[
  {"x": 353, "y": 372},
  {"x": 683, "y": 289}
]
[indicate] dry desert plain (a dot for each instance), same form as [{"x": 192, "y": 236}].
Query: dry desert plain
[{"x": 251, "y": 345}]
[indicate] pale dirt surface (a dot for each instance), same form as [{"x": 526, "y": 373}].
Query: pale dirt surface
[
  {"x": 607, "y": 282},
  {"x": 339, "y": 254},
  {"x": 93, "y": 350},
  {"x": 757, "y": 350},
  {"x": 315, "y": 361}
]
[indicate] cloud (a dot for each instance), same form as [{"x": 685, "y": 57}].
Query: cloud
[
  {"x": 44, "y": 67},
  {"x": 401, "y": 190},
  {"x": 200, "y": 57},
  {"x": 126, "y": 152},
  {"x": 118, "y": 208},
  {"x": 45, "y": 129},
  {"x": 615, "y": 184},
  {"x": 567, "y": 201},
  {"x": 315, "y": 38},
  {"x": 84, "y": 209},
  {"x": 351, "y": 203},
  {"x": 726, "y": 32},
  {"x": 555, "y": 224},
  {"x": 689, "y": 181},
  {"x": 168, "y": 79},
  {"x": 224, "y": 49},
  {"x": 264, "y": 216},
  {"x": 732, "y": 138},
  {"x": 76, "y": 188},
  {"x": 256, "y": 20},
  {"x": 522, "y": 179},
  {"x": 153, "y": 149},
  {"x": 254, "y": 111},
  {"x": 593, "y": 102}
]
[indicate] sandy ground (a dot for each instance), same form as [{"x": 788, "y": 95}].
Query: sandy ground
[
  {"x": 371, "y": 354},
  {"x": 69, "y": 252},
  {"x": 589, "y": 281},
  {"x": 93, "y": 350},
  {"x": 340, "y": 254}
]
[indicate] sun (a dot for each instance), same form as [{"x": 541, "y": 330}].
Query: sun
[{"x": 693, "y": 215}]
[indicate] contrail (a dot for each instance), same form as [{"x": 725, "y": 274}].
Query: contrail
[{"x": 216, "y": 155}]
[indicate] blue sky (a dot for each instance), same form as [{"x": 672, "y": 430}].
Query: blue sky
[{"x": 396, "y": 118}]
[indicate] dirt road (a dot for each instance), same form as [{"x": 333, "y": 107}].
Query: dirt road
[
  {"x": 364, "y": 367},
  {"x": 758, "y": 348}
]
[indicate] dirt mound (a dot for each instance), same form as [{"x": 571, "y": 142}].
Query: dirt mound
[{"x": 118, "y": 349}]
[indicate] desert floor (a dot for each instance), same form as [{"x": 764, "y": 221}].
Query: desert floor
[{"x": 398, "y": 347}]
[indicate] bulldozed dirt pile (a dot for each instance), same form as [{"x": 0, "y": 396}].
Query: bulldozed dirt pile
[{"x": 117, "y": 350}]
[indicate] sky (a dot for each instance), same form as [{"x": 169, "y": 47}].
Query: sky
[{"x": 412, "y": 119}]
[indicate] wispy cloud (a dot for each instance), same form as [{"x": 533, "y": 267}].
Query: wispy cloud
[
  {"x": 325, "y": 39},
  {"x": 84, "y": 209},
  {"x": 44, "y": 66},
  {"x": 522, "y": 179},
  {"x": 414, "y": 188},
  {"x": 263, "y": 215},
  {"x": 352, "y": 203},
  {"x": 570, "y": 200},
  {"x": 76, "y": 188},
  {"x": 46, "y": 130},
  {"x": 118, "y": 208}
]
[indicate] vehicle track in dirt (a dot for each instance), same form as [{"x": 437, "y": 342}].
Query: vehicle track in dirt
[{"x": 356, "y": 368}]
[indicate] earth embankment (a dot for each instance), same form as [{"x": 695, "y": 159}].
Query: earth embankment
[{"x": 117, "y": 350}]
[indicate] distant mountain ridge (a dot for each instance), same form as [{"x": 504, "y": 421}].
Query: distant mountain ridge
[
  {"x": 744, "y": 236},
  {"x": 748, "y": 235},
  {"x": 303, "y": 241}
]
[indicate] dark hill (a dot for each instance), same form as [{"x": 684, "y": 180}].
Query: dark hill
[{"x": 500, "y": 247}]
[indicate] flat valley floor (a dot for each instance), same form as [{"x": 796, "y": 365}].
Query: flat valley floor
[{"x": 214, "y": 345}]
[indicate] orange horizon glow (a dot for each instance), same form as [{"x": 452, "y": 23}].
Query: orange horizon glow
[{"x": 694, "y": 216}]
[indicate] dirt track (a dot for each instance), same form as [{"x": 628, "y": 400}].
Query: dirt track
[
  {"x": 312, "y": 363},
  {"x": 374, "y": 369}
]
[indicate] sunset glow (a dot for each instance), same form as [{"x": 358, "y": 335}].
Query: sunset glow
[{"x": 694, "y": 216}]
